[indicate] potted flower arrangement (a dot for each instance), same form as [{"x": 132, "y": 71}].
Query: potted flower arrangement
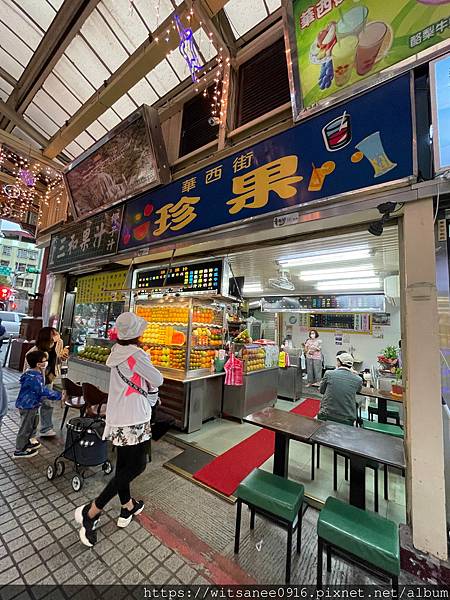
[
  {"x": 397, "y": 387},
  {"x": 389, "y": 359}
]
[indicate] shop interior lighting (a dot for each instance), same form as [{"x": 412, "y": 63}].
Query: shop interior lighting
[
  {"x": 337, "y": 270},
  {"x": 341, "y": 275},
  {"x": 252, "y": 288},
  {"x": 317, "y": 259},
  {"x": 351, "y": 284}
]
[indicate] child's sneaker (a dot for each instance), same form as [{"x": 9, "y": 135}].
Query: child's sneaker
[
  {"x": 126, "y": 515},
  {"x": 27, "y": 453},
  {"x": 88, "y": 535}
]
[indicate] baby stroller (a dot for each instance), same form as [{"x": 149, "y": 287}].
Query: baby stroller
[{"x": 84, "y": 447}]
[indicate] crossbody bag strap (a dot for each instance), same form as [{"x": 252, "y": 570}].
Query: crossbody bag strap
[{"x": 132, "y": 384}]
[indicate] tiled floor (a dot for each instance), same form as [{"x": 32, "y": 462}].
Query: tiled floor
[
  {"x": 185, "y": 534},
  {"x": 220, "y": 435}
]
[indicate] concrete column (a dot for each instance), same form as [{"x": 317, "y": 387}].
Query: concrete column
[{"x": 424, "y": 432}]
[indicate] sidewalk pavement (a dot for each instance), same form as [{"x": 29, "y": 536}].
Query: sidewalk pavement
[{"x": 184, "y": 536}]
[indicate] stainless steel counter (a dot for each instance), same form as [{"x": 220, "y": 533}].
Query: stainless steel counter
[{"x": 258, "y": 391}]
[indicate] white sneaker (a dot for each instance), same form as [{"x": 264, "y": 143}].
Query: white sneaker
[
  {"x": 49, "y": 433},
  {"x": 34, "y": 441}
]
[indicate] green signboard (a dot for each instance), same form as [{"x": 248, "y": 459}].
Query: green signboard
[
  {"x": 5, "y": 271},
  {"x": 342, "y": 42}
]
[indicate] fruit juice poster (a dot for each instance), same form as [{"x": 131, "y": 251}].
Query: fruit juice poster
[
  {"x": 441, "y": 118},
  {"x": 360, "y": 143},
  {"x": 341, "y": 42}
]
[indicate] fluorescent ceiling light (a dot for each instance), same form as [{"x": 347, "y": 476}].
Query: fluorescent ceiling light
[
  {"x": 353, "y": 284},
  {"x": 344, "y": 275},
  {"x": 337, "y": 270},
  {"x": 252, "y": 288},
  {"x": 318, "y": 259}
]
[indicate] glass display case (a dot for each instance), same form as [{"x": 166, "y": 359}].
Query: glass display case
[
  {"x": 258, "y": 357},
  {"x": 96, "y": 350},
  {"x": 183, "y": 334}
]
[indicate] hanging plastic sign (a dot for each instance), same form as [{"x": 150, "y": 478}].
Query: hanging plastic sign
[{"x": 338, "y": 43}]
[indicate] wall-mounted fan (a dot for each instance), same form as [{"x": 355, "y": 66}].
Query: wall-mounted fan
[{"x": 282, "y": 282}]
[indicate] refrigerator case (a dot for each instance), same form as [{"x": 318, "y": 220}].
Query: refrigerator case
[{"x": 290, "y": 378}]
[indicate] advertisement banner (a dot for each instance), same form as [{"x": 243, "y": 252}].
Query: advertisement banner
[
  {"x": 361, "y": 143},
  {"x": 440, "y": 97},
  {"x": 341, "y": 42},
  {"x": 92, "y": 238}
]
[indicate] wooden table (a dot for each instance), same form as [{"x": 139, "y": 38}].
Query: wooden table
[
  {"x": 361, "y": 445},
  {"x": 287, "y": 426},
  {"x": 382, "y": 396}
]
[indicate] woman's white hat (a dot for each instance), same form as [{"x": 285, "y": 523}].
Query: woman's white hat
[{"x": 129, "y": 326}]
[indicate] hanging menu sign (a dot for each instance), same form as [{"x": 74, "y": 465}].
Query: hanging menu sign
[
  {"x": 200, "y": 277},
  {"x": 92, "y": 238},
  {"x": 349, "y": 303},
  {"x": 101, "y": 287}
]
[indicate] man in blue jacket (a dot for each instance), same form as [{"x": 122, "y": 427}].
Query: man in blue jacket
[{"x": 32, "y": 392}]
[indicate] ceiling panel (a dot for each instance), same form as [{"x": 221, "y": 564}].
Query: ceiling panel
[
  {"x": 14, "y": 45},
  {"x": 162, "y": 78},
  {"x": 73, "y": 79},
  {"x": 153, "y": 12},
  {"x": 50, "y": 107},
  {"x": 56, "y": 89},
  {"x": 41, "y": 13},
  {"x": 26, "y": 138},
  {"x": 125, "y": 22},
  {"x": 103, "y": 41},
  {"x": 10, "y": 64},
  {"x": 109, "y": 119},
  {"x": 243, "y": 20},
  {"x": 74, "y": 149},
  {"x": 5, "y": 89},
  {"x": 97, "y": 130},
  {"x": 39, "y": 117},
  {"x": 258, "y": 266},
  {"x": 124, "y": 106},
  {"x": 23, "y": 26},
  {"x": 86, "y": 61},
  {"x": 143, "y": 93}
]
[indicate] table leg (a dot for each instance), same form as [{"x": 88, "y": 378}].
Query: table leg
[
  {"x": 382, "y": 410},
  {"x": 358, "y": 481},
  {"x": 281, "y": 455}
]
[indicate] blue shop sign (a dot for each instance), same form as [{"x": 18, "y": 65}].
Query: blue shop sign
[{"x": 361, "y": 143}]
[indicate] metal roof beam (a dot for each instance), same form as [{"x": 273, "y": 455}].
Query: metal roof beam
[
  {"x": 205, "y": 18},
  {"x": 20, "y": 146},
  {"x": 8, "y": 77},
  {"x": 141, "y": 62},
  {"x": 20, "y": 122},
  {"x": 65, "y": 26}
]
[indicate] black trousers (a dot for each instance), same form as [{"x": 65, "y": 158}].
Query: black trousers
[{"x": 131, "y": 462}]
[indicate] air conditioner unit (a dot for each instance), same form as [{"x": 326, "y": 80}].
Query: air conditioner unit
[{"x": 392, "y": 289}]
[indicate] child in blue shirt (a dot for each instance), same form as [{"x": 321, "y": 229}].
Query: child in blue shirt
[{"x": 32, "y": 392}]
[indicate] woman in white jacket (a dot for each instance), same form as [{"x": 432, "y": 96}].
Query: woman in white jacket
[{"x": 133, "y": 390}]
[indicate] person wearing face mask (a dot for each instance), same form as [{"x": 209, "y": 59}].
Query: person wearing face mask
[
  {"x": 313, "y": 355},
  {"x": 48, "y": 341}
]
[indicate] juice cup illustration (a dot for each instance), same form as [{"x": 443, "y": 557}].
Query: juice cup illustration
[
  {"x": 370, "y": 42},
  {"x": 352, "y": 22},
  {"x": 344, "y": 59},
  {"x": 373, "y": 150},
  {"x": 337, "y": 133}
]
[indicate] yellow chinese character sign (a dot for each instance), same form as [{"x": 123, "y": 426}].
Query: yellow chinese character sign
[
  {"x": 176, "y": 216},
  {"x": 252, "y": 190}
]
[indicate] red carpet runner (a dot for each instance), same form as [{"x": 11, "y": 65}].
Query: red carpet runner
[{"x": 226, "y": 472}]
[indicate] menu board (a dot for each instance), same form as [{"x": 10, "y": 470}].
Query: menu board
[
  {"x": 440, "y": 103},
  {"x": 337, "y": 43},
  {"x": 100, "y": 287},
  {"x": 128, "y": 160},
  {"x": 200, "y": 277},
  {"x": 350, "y": 303}
]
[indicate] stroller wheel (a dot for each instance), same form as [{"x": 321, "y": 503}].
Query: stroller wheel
[
  {"x": 51, "y": 472},
  {"x": 107, "y": 467},
  {"x": 77, "y": 483},
  {"x": 60, "y": 468}
]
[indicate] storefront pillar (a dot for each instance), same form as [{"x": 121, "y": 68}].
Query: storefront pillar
[{"x": 424, "y": 432}]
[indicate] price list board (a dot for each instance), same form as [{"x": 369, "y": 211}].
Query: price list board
[
  {"x": 351, "y": 302},
  {"x": 202, "y": 277}
]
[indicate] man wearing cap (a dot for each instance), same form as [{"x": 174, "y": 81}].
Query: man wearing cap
[{"x": 339, "y": 389}]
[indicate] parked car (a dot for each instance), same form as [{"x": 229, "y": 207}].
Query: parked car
[{"x": 11, "y": 322}]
